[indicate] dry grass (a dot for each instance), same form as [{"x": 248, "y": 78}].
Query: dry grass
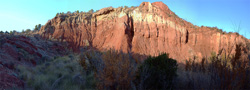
[
  {"x": 216, "y": 73},
  {"x": 63, "y": 73}
]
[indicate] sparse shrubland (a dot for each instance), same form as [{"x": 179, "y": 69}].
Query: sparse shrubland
[
  {"x": 216, "y": 72},
  {"x": 114, "y": 70},
  {"x": 117, "y": 70},
  {"x": 64, "y": 54},
  {"x": 69, "y": 13},
  {"x": 62, "y": 73}
]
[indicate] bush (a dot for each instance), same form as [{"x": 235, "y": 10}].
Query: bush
[
  {"x": 157, "y": 73},
  {"x": 6, "y": 32},
  {"x": 11, "y": 33},
  {"x": 1, "y": 32},
  {"x": 91, "y": 11},
  {"x": 60, "y": 74},
  {"x": 38, "y": 27},
  {"x": 27, "y": 31},
  {"x": 248, "y": 45},
  {"x": 219, "y": 73},
  {"x": 118, "y": 71},
  {"x": 114, "y": 70},
  {"x": 57, "y": 14}
]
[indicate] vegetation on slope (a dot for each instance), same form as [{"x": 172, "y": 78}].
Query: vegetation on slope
[
  {"x": 157, "y": 73},
  {"x": 116, "y": 70},
  {"x": 216, "y": 72},
  {"x": 101, "y": 70},
  {"x": 62, "y": 73}
]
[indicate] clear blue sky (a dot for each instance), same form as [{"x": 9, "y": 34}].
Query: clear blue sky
[{"x": 24, "y": 14}]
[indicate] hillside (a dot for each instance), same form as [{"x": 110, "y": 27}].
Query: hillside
[
  {"x": 139, "y": 48},
  {"x": 21, "y": 50},
  {"x": 149, "y": 29}
]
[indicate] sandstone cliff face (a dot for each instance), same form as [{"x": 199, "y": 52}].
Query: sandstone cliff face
[{"x": 149, "y": 29}]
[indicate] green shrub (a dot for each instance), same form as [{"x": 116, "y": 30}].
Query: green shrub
[
  {"x": 38, "y": 27},
  {"x": 1, "y": 32},
  {"x": 157, "y": 72},
  {"x": 57, "y": 14},
  {"x": 6, "y": 32},
  {"x": 219, "y": 30},
  {"x": 27, "y": 31},
  {"x": 63, "y": 73},
  {"x": 91, "y": 11}
]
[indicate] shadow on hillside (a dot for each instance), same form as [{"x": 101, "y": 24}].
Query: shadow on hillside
[
  {"x": 25, "y": 50},
  {"x": 111, "y": 69},
  {"x": 216, "y": 72}
]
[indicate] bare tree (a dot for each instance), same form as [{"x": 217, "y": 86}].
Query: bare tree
[
  {"x": 236, "y": 27},
  {"x": 248, "y": 33},
  {"x": 245, "y": 34}
]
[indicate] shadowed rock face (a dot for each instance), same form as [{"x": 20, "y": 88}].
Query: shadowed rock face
[{"x": 149, "y": 29}]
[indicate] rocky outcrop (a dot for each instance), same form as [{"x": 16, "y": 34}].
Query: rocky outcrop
[{"x": 149, "y": 29}]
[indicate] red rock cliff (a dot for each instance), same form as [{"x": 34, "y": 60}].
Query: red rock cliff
[{"x": 149, "y": 29}]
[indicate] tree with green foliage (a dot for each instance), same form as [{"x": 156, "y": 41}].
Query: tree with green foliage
[
  {"x": 91, "y": 11},
  {"x": 38, "y": 27},
  {"x": 6, "y": 32},
  {"x": 27, "y": 30},
  {"x": 14, "y": 31},
  {"x": 22, "y": 30},
  {"x": 57, "y": 14},
  {"x": 157, "y": 72},
  {"x": 77, "y": 11},
  {"x": 11, "y": 32},
  {"x": 68, "y": 12},
  {"x": 1, "y": 32},
  {"x": 125, "y": 6}
]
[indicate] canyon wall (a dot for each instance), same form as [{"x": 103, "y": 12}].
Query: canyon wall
[{"x": 149, "y": 29}]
